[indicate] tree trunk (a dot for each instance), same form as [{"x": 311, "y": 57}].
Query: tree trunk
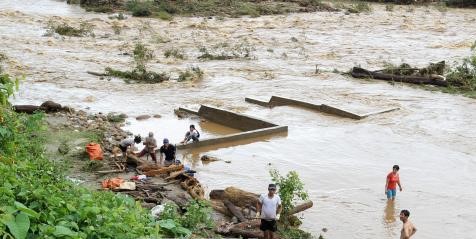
[
  {"x": 234, "y": 210},
  {"x": 301, "y": 207},
  {"x": 358, "y": 72}
]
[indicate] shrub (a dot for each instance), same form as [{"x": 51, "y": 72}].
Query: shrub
[
  {"x": 291, "y": 190},
  {"x": 140, "y": 8},
  {"x": 85, "y": 29},
  {"x": 191, "y": 74},
  {"x": 195, "y": 219},
  {"x": 463, "y": 76},
  {"x": 174, "y": 52}
]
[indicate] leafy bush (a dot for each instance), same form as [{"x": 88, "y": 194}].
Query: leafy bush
[
  {"x": 142, "y": 55},
  {"x": 195, "y": 219},
  {"x": 291, "y": 190},
  {"x": 191, "y": 74},
  {"x": 174, "y": 52},
  {"x": 140, "y": 8},
  {"x": 225, "y": 51},
  {"x": 62, "y": 28},
  {"x": 463, "y": 76},
  {"x": 7, "y": 87}
]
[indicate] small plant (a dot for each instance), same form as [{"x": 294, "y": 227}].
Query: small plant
[
  {"x": 359, "y": 7},
  {"x": 85, "y": 29},
  {"x": 389, "y": 7},
  {"x": 191, "y": 74},
  {"x": 225, "y": 51},
  {"x": 116, "y": 27},
  {"x": 195, "y": 219},
  {"x": 175, "y": 53},
  {"x": 116, "y": 118},
  {"x": 291, "y": 189},
  {"x": 119, "y": 16}
]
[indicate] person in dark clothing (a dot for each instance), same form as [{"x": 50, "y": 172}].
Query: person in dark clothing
[{"x": 169, "y": 151}]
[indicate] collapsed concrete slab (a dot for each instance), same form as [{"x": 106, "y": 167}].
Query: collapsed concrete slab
[
  {"x": 325, "y": 108},
  {"x": 251, "y": 127}
]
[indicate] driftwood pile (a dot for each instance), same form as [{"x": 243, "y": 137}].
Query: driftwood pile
[
  {"x": 241, "y": 205},
  {"x": 431, "y": 75}
]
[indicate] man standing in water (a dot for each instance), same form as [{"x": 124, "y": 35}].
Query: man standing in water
[
  {"x": 391, "y": 184},
  {"x": 408, "y": 229},
  {"x": 268, "y": 209}
]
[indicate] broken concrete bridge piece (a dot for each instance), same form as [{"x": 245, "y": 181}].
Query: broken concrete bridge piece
[{"x": 324, "y": 108}]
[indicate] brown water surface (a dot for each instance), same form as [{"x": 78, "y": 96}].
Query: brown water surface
[{"x": 343, "y": 162}]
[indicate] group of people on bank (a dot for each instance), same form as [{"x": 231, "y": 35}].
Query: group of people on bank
[{"x": 150, "y": 146}]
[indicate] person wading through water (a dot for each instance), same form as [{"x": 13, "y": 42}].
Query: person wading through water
[
  {"x": 408, "y": 229},
  {"x": 268, "y": 209},
  {"x": 391, "y": 184}
]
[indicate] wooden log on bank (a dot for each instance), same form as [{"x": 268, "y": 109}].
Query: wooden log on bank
[
  {"x": 358, "y": 72},
  {"x": 301, "y": 207},
  {"x": 236, "y": 196},
  {"x": 235, "y": 211}
]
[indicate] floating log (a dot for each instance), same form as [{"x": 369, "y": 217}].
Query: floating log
[
  {"x": 235, "y": 211},
  {"x": 358, "y": 72},
  {"x": 96, "y": 73},
  {"x": 301, "y": 207}
]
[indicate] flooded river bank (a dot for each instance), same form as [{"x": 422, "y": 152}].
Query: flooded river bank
[{"x": 343, "y": 162}]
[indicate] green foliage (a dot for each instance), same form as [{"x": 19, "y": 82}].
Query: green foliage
[
  {"x": 293, "y": 233},
  {"x": 233, "y": 8},
  {"x": 463, "y": 76},
  {"x": 8, "y": 85},
  {"x": 225, "y": 51},
  {"x": 461, "y": 3},
  {"x": 389, "y": 7},
  {"x": 191, "y": 74},
  {"x": 62, "y": 28},
  {"x": 359, "y": 7},
  {"x": 116, "y": 27},
  {"x": 37, "y": 202},
  {"x": 140, "y": 8},
  {"x": 291, "y": 190},
  {"x": 174, "y": 52},
  {"x": 195, "y": 219},
  {"x": 116, "y": 118},
  {"x": 142, "y": 55}
]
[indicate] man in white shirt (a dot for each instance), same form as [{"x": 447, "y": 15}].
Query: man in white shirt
[{"x": 268, "y": 209}]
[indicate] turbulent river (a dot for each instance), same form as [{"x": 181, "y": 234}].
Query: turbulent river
[{"x": 343, "y": 162}]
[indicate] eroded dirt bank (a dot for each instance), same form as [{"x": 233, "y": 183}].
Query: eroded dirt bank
[{"x": 342, "y": 162}]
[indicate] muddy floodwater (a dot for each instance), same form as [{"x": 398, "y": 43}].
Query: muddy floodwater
[{"x": 343, "y": 162}]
